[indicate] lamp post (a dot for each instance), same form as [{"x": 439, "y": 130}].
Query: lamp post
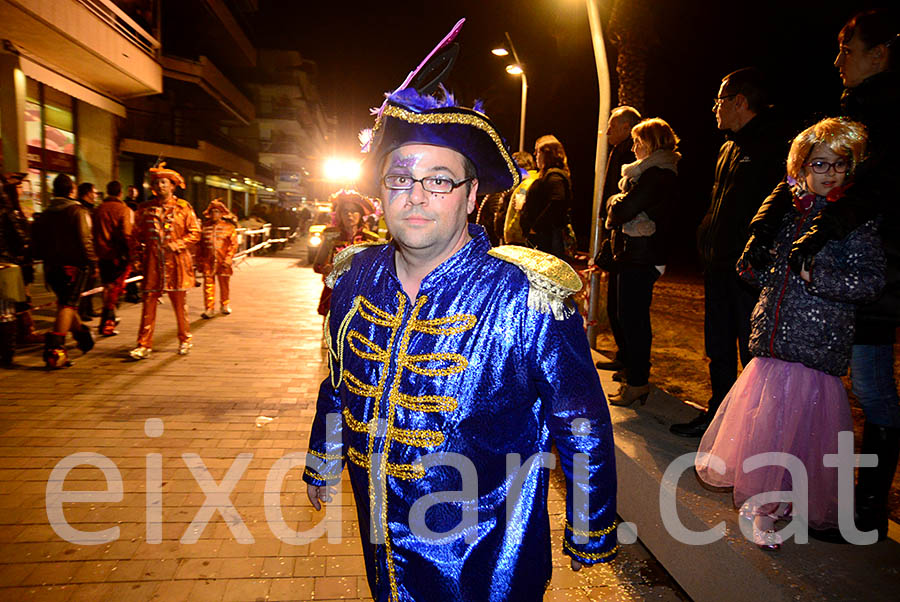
[
  {"x": 516, "y": 69},
  {"x": 600, "y": 158}
]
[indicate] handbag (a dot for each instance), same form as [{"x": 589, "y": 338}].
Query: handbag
[{"x": 604, "y": 258}]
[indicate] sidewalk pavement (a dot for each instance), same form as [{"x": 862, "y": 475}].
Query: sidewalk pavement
[{"x": 248, "y": 387}]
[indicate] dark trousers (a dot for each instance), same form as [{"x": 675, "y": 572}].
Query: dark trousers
[
  {"x": 612, "y": 312},
  {"x": 726, "y": 325},
  {"x": 634, "y": 289}
]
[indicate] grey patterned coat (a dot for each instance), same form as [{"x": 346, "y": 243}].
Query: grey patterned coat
[{"x": 812, "y": 323}]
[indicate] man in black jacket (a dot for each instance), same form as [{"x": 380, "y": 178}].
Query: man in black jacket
[
  {"x": 62, "y": 236},
  {"x": 750, "y": 164}
]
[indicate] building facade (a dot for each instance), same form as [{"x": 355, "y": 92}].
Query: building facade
[{"x": 67, "y": 70}]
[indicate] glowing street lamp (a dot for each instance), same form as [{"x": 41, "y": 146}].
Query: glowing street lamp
[
  {"x": 516, "y": 69},
  {"x": 338, "y": 169}
]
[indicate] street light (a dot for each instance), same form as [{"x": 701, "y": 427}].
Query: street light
[
  {"x": 338, "y": 169},
  {"x": 516, "y": 69}
]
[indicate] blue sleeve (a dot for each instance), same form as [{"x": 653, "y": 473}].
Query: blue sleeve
[{"x": 579, "y": 423}]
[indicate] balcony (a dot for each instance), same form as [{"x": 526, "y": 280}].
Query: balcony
[
  {"x": 185, "y": 138},
  {"x": 91, "y": 42},
  {"x": 204, "y": 74}
]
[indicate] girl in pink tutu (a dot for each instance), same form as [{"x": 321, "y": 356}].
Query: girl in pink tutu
[{"x": 790, "y": 398}]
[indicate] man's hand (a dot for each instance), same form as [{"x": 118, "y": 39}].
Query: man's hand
[
  {"x": 758, "y": 252},
  {"x": 316, "y": 493},
  {"x": 576, "y": 566}
]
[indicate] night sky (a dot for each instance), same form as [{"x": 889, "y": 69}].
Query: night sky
[{"x": 364, "y": 51}]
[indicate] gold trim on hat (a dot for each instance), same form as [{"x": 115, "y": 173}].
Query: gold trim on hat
[{"x": 453, "y": 118}]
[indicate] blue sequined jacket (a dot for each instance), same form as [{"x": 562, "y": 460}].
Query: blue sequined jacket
[
  {"x": 812, "y": 323},
  {"x": 447, "y": 403}
]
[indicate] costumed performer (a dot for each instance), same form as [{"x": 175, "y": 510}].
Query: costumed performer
[
  {"x": 452, "y": 363},
  {"x": 215, "y": 255},
  {"x": 165, "y": 228}
]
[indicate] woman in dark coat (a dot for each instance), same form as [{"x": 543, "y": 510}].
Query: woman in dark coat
[
  {"x": 545, "y": 216},
  {"x": 638, "y": 218}
]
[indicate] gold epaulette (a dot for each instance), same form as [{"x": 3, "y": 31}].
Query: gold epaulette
[
  {"x": 344, "y": 259},
  {"x": 551, "y": 280}
]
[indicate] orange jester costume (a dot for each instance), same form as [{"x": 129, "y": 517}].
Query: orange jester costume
[
  {"x": 165, "y": 228},
  {"x": 215, "y": 254}
]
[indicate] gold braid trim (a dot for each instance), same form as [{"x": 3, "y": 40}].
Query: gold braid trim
[
  {"x": 463, "y": 323},
  {"x": 322, "y": 477},
  {"x": 358, "y": 387},
  {"x": 354, "y": 424},
  {"x": 408, "y": 472},
  {"x": 357, "y": 458},
  {"x": 378, "y": 354},
  {"x": 588, "y": 555},
  {"x": 551, "y": 280},
  {"x": 378, "y": 316},
  {"x": 342, "y": 335},
  {"x": 469, "y": 118},
  {"x": 325, "y": 456},
  {"x": 458, "y": 363},
  {"x": 599, "y": 533},
  {"x": 417, "y": 438},
  {"x": 427, "y": 403}
]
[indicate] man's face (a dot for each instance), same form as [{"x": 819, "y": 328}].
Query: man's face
[
  {"x": 90, "y": 196},
  {"x": 132, "y": 192},
  {"x": 855, "y": 63},
  {"x": 617, "y": 130},
  {"x": 427, "y": 221},
  {"x": 163, "y": 188},
  {"x": 725, "y": 109},
  {"x": 216, "y": 215}
]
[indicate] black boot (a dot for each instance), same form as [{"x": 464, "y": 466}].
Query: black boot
[
  {"x": 7, "y": 343},
  {"x": 83, "y": 338},
  {"x": 874, "y": 484},
  {"x": 55, "y": 355}
]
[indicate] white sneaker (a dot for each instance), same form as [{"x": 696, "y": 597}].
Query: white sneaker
[
  {"x": 226, "y": 310},
  {"x": 140, "y": 353},
  {"x": 208, "y": 314},
  {"x": 184, "y": 348}
]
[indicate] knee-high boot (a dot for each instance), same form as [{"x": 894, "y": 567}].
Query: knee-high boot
[{"x": 874, "y": 484}]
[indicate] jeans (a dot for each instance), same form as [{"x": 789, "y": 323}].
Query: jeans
[
  {"x": 728, "y": 302},
  {"x": 635, "y": 293},
  {"x": 872, "y": 375}
]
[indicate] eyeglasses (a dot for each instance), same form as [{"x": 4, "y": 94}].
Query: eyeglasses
[
  {"x": 719, "y": 100},
  {"x": 820, "y": 167},
  {"x": 434, "y": 184}
]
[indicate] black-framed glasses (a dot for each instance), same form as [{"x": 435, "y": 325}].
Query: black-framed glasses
[
  {"x": 818, "y": 166},
  {"x": 435, "y": 184},
  {"x": 720, "y": 99}
]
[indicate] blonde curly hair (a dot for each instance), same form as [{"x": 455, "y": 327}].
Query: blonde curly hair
[{"x": 843, "y": 137}]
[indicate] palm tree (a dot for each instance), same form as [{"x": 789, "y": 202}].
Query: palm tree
[{"x": 629, "y": 33}]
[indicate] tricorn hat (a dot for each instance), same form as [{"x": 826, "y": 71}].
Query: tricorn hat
[
  {"x": 161, "y": 171},
  {"x": 343, "y": 198},
  {"x": 412, "y": 114}
]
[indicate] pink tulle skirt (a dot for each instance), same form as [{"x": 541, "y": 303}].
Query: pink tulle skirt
[{"x": 778, "y": 406}]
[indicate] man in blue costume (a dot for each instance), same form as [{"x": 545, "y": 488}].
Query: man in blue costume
[{"x": 454, "y": 369}]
